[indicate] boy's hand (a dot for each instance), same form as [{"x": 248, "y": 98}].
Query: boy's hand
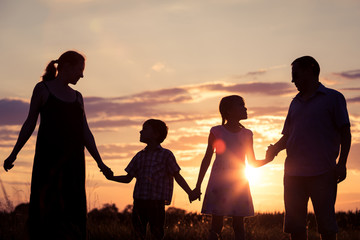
[
  {"x": 195, "y": 194},
  {"x": 108, "y": 173}
]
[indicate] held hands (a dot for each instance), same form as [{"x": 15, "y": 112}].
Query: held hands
[
  {"x": 270, "y": 153},
  {"x": 108, "y": 173},
  {"x": 195, "y": 194},
  {"x": 109, "y": 176},
  {"x": 9, "y": 162}
]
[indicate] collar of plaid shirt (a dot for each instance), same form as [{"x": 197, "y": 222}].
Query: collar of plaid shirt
[{"x": 158, "y": 147}]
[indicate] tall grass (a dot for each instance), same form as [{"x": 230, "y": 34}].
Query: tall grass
[
  {"x": 110, "y": 223},
  {"x": 8, "y": 204}
]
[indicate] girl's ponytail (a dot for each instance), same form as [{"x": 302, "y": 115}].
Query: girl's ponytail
[
  {"x": 224, "y": 108},
  {"x": 223, "y": 119},
  {"x": 50, "y": 71}
]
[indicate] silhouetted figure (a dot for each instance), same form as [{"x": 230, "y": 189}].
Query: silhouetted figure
[
  {"x": 154, "y": 169},
  {"x": 316, "y": 127},
  {"x": 228, "y": 191},
  {"x": 58, "y": 201}
]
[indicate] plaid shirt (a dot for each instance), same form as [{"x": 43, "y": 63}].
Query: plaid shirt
[{"x": 154, "y": 171}]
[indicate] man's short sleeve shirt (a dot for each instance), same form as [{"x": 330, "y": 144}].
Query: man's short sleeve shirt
[{"x": 313, "y": 130}]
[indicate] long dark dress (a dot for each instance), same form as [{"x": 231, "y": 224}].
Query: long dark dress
[{"x": 58, "y": 200}]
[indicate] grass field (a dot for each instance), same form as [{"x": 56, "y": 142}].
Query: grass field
[{"x": 109, "y": 223}]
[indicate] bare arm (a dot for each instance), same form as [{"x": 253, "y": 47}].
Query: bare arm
[
  {"x": 251, "y": 156},
  {"x": 182, "y": 183},
  {"x": 122, "y": 178},
  {"x": 279, "y": 145},
  {"x": 206, "y": 161},
  {"x": 344, "y": 152},
  {"x": 92, "y": 148},
  {"x": 90, "y": 143},
  {"x": 29, "y": 125}
]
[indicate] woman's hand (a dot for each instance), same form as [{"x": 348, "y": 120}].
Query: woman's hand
[
  {"x": 108, "y": 173},
  {"x": 9, "y": 162},
  {"x": 195, "y": 194}
]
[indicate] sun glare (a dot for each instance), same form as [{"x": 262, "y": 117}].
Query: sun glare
[{"x": 252, "y": 174}]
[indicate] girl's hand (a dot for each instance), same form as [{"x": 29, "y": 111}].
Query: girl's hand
[
  {"x": 270, "y": 153},
  {"x": 195, "y": 194},
  {"x": 9, "y": 162}
]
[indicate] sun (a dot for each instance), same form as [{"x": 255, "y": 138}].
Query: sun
[{"x": 252, "y": 174}]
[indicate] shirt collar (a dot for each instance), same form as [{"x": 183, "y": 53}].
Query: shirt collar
[
  {"x": 158, "y": 147},
  {"x": 321, "y": 89}
]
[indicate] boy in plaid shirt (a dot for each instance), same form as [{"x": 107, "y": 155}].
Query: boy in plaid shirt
[{"x": 154, "y": 169}]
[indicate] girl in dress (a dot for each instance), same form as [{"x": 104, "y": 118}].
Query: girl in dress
[{"x": 228, "y": 192}]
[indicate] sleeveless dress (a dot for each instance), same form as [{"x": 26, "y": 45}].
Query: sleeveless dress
[
  {"x": 228, "y": 191},
  {"x": 58, "y": 201}
]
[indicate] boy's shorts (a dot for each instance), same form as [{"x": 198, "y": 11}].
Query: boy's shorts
[
  {"x": 150, "y": 212},
  {"x": 322, "y": 190}
]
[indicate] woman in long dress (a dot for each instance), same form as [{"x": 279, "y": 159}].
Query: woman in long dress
[{"x": 58, "y": 201}]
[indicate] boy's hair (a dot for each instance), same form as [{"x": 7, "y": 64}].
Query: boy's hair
[
  {"x": 159, "y": 127},
  {"x": 308, "y": 62}
]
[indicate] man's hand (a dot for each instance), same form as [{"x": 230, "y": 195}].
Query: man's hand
[
  {"x": 340, "y": 173},
  {"x": 270, "y": 153}
]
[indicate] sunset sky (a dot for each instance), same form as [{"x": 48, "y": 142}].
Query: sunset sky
[{"x": 175, "y": 60}]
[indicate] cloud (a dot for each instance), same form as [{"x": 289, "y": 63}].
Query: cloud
[
  {"x": 140, "y": 104},
  {"x": 188, "y": 142},
  {"x": 13, "y": 111},
  {"x": 273, "y": 111},
  {"x": 120, "y": 151},
  {"x": 105, "y": 107},
  {"x": 354, "y": 154},
  {"x": 175, "y": 95},
  {"x": 8, "y": 136},
  {"x": 353, "y": 100},
  {"x": 351, "y": 89},
  {"x": 187, "y": 93},
  {"x": 251, "y": 74},
  {"x": 158, "y": 67},
  {"x": 260, "y": 72},
  {"x": 144, "y": 103},
  {"x": 109, "y": 123},
  {"x": 352, "y": 74},
  {"x": 127, "y": 110},
  {"x": 276, "y": 88}
]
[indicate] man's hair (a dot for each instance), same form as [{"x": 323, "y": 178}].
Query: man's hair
[
  {"x": 159, "y": 127},
  {"x": 308, "y": 62}
]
